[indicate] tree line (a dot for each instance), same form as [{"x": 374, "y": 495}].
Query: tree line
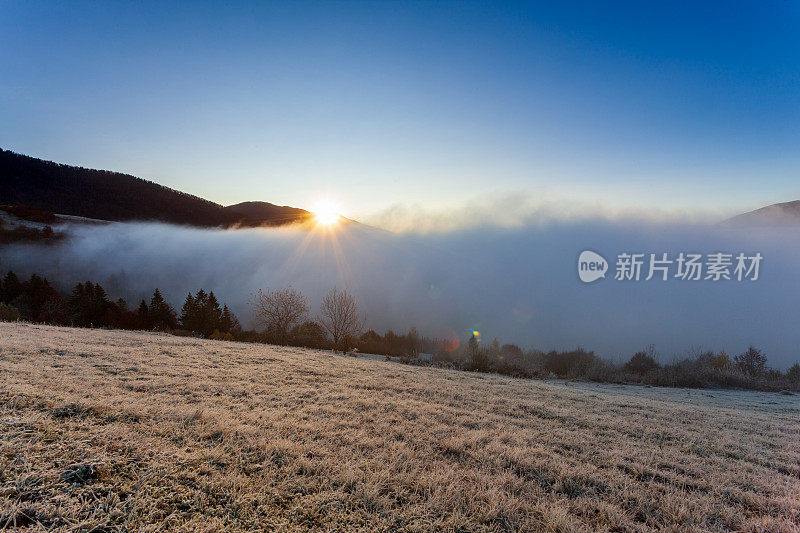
[
  {"x": 697, "y": 369},
  {"x": 42, "y": 232},
  {"x": 88, "y": 305},
  {"x": 283, "y": 316}
]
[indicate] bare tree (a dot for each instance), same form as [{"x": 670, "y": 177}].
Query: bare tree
[
  {"x": 279, "y": 310},
  {"x": 339, "y": 315}
]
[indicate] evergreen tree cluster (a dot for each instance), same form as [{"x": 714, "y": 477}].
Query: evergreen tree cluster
[
  {"x": 89, "y": 306},
  {"x": 201, "y": 313},
  {"x": 34, "y": 299}
]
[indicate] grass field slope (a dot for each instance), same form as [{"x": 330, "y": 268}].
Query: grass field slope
[{"x": 121, "y": 431}]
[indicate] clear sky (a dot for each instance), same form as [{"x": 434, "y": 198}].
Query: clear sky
[{"x": 666, "y": 105}]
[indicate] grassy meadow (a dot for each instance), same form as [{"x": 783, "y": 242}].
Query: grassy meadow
[{"x": 104, "y": 430}]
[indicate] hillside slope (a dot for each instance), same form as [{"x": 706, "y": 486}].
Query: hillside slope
[
  {"x": 782, "y": 214},
  {"x": 105, "y": 195},
  {"x": 269, "y": 214},
  {"x": 122, "y": 430}
]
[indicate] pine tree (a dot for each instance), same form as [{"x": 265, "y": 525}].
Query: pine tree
[
  {"x": 160, "y": 314},
  {"x": 201, "y": 298},
  {"x": 77, "y": 305},
  {"x": 99, "y": 305},
  {"x": 144, "y": 313},
  {"x": 228, "y": 322},
  {"x": 211, "y": 314},
  {"x": 188, "y": 317},
  {"x": 235, "y": 327},
  {"x": 225, "y": 320},
  {"x": 44, "y": 303},
  {"x": 10, "y": 287},
  {"x": 88, "y": 306}
]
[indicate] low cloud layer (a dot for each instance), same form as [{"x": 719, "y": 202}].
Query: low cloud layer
[
  {"x": 519, "y": 210},
  {"x": 517, "y": 282}
]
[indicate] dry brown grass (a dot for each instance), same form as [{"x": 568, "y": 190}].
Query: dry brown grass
[{"x": 116, "y": 430}]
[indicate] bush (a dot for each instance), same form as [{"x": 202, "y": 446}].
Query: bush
[
  {"x": 602, "y": 372},
  {"x": 793, "y": 374},
  {"x": 511, "y": 368},
  {"x": 574, "y": 363},
  {"x": 8, "y": 313},
  {"x": 641, "y": 364},
  {"x": 721, "y": 361},
  {"x": 309, "y": 334},
  {"x": 751, "y": 362},
  {"x": 477, "y": 359}
]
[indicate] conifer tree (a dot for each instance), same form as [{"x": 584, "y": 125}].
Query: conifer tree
[
  {"x": 10, "y": 287},
  {"x": 188, "y": 317},
  {"x": 143, "y": 313},
  {"x": 211, "y": 314},
  {"x": 88, "y": 306},
  {"x": 228, "y": 321},
  {"x": 160, "y": 314}
]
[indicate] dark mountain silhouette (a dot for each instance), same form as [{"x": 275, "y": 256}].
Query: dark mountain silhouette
[
  {"x": 113, "y": 196},
  {"x": 265, "y": 213},
  {"x": 782, "y": 214}
]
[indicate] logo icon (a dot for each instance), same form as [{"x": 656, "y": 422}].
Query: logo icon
[{"x": 591, "y": 266}]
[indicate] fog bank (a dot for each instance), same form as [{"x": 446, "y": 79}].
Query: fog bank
[{"x": 518, "y": 283}]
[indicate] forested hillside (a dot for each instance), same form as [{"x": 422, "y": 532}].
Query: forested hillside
[{"x": 114, "y": 196}]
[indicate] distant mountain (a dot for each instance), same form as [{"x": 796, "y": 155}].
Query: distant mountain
[
  {"x": 783, "y": 214},
  {"x": 265, "y": 213},
  {"x": 105, "y": 195}
]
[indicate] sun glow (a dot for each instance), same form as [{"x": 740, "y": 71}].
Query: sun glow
[{"x": 325, "y": 213}]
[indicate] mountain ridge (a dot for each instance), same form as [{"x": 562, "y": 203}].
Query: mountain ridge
[
  {"x": 780, "y": 214},
  {"x": 267, "y": 212},
  {"x": 118, "y": 197}
]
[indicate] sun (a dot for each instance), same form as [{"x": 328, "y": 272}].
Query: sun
[{"x": 325, "y": 213}]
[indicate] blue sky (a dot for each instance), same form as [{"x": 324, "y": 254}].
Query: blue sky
[{"x": 665, "y": 106}]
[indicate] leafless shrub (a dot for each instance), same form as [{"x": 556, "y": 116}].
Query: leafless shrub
[
  {"x": 340, "y": 316},
  {"x": 277, "y": 311}
]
